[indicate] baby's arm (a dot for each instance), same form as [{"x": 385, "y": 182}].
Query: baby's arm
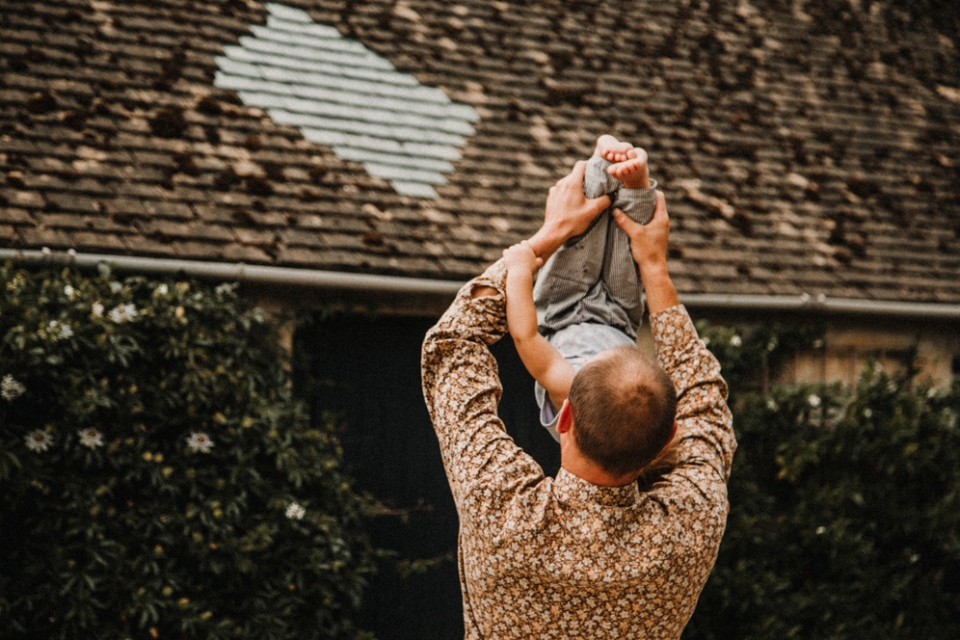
[{"x": 541, "y": 358}]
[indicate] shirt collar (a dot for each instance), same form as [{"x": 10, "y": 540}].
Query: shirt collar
[{"x": 570, "y": 488}]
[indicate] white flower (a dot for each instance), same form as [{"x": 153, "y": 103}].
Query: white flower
[
  {"x": 736, "y": 340},
  {"x": 199, "y": 441},
  {"x": 38, "y": 440},
  {"x": 64, "y": 330},
  {"x": 123, "y": 313},
  {"x": 17, "y": 282},
  {"x": 772, "y": 405},
  {"x": 813, "y": 400},
  {"x": 295, "y": 511},
  {"x": 116, "y": 287},
  {"x": 97, "y": 309},
  {"x": 90, "y": 437},
  {"x": 163, "y": 290},
  {"x": 69, "y": 291},
  {"x": 821, "y": 530},
  {"x": 868, "y": 413},
  {"x": 10, "y": 389}
]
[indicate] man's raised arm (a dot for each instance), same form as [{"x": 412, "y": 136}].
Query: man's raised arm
[
  {"x": 459, "y": 374},
  {"x": 706, "y": 439}
]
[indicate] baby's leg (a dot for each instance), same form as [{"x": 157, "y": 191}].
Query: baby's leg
[
  {"x": 637, "y": 197},
  {"x": 569, "y": 288}
]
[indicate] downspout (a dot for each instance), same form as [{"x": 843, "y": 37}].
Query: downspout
[{"x": 340, "y": 281}]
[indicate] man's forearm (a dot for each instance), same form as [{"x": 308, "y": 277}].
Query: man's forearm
[
  {"x": 546, "y": 241},
  {"x": 705, "y": 425},
  {"x": 660, "y": 292}
]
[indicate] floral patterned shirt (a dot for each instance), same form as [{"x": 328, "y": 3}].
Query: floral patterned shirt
[{"x": 543, "y": 557}]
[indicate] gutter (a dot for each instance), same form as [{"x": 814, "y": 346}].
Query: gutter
[
  {"x": 376, "y": 284},
  {"x": 238, "y": 272},
  {"x": 823, "y": 304}
]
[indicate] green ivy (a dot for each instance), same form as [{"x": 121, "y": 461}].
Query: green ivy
[
  {"x": 845, "y": 512},
  {"x": 159, "y": 480}
]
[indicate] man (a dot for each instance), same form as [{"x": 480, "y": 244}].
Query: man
[{"x": 586, "y": 554}]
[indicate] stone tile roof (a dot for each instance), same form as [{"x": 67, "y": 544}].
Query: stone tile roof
[{"x": 804, "y": 147}]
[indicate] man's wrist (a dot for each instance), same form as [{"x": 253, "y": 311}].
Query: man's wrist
[
  {"x": 654, "y": 269},
  {"x": 660, "y": 292},
  {"x": 546, "y": 241}
]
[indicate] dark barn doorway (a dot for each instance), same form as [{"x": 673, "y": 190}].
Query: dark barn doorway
[{"x": 367, "y": 371}]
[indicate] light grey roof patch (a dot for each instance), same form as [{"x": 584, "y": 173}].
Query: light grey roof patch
[
  {"x": 326, "y": 40},
  {"x": 347, "y": 59},
  {"x": 414, "y": 189},
  {"x": 385, "y": 131},
  {"x": 311, "y": 28},
  {"x": 341, "y": 139},
  {"x": 393, "y": 159},
  {"x": 316, "y": 66},
  {"x": 345, "y": 96},
  {"x": 284, "y": 12},
  {"x": 393, "y": 172}
]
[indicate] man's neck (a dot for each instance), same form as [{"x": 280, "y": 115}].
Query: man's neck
[{"x": 579, "y": 465}]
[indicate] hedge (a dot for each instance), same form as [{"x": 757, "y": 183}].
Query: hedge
[
  {"x": 845, "y": 507},
  {"x": 159, "y": 479}
]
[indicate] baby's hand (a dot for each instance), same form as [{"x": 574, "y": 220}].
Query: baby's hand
[{"x": 521, "y": 256}]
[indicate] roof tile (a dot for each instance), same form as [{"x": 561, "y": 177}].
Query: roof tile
[
  {"x": 38, "y": 237},
  {"x": 97, "y": 241},
  {"x": 147, "y": 246},
  {"x": 235, "y": 252},
  {"x": 167, "y": 209}
]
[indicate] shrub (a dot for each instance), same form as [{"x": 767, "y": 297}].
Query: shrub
[
  {"x": 845, "y": 514},
  {"x": 159, "y": 479}
]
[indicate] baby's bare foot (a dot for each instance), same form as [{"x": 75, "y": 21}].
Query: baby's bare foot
[
  {"x": 611, "y": 149},
  {"x": 633, "y": 171}
]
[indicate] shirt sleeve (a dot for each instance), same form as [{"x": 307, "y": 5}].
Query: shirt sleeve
[
  {"x": 461, "y": 386},
  {"x": 706, "y": 441}
]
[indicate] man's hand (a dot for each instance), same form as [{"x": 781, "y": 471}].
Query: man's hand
[
  {"x": 568, "y": 213},
  {"x": 648, "y": 242},
  {"x": 648, "y": 246}
]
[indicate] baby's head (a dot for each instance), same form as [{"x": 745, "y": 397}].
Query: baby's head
[{"x": 624, "y": 407}]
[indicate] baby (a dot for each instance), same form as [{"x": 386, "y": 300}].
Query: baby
[{"x": 588, "y": 295}]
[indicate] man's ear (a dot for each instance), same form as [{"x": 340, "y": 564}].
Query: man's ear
[
  {"x": 565, "y": 417},
  {"x": 673, "y": 432}
]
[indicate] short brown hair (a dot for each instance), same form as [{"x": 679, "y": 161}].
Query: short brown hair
[{"x": 624, "y": 405}]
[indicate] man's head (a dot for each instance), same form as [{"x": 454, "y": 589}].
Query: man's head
[{"x": 623, "y": 406}]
